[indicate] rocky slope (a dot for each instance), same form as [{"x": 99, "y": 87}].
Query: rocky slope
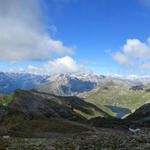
[{"x": 101, "y": 139}]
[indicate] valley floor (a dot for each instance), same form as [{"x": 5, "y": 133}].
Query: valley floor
[{"x": 98, "y": 139}]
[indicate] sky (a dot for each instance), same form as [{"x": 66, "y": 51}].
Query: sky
[{"x": 75, "y": 36}]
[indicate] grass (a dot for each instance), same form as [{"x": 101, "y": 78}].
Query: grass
[
  {"x": 120, "y": 96},
  {"x": 6, "y": 100},
  {"x": 87, "y": 116},
  {"x": 103, "y": 108}
]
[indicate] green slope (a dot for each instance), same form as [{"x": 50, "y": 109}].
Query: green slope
[{"x": 119, "y": 95}]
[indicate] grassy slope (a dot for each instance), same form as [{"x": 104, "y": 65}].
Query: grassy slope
[
  {"x": 105, "y": 109},
  {"x": 117, "y": 95}
]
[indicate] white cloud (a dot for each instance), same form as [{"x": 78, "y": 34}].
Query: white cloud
[
  {"x": 132, "y": 76},
  {"x": 22, "y": 33},
  {"x": 60, "y": 65},
  {"x": 122, "y": 59},
  {"x": 136, "y": 49},
  {"x": 135, "y": 54}
]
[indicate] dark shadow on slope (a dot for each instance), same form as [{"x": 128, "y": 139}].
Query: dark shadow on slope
[{"x": 74, "y": 102}]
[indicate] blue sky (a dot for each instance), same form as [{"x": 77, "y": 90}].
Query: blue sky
[{"x": 93, "y": 35}]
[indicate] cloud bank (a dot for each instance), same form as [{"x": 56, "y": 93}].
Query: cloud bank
[
  {"x": 134, "y": 54},
  {"x": 23, "y": 34},
  {"x": 60, "y": 65}
]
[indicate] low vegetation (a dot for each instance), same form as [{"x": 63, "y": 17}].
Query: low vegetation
[
  {"x": 6, "y": 99},
  {"x": 119, "y": 96}
]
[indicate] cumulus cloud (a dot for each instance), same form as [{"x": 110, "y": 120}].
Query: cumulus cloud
[
  {"x": 137, "y": 49},
  {"x": 22, "y": 33},
  {"x": 60, "y": 65},
  {"x": 134, "y": 54},
  {"x": 122, "y": 59}
]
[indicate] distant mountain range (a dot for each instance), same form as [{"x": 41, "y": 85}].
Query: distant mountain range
[
  {"x": 61, "y": 84},
  {"x": 12, "y": 81}
]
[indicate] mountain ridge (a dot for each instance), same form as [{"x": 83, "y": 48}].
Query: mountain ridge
[{"x": 38, "y": 103}]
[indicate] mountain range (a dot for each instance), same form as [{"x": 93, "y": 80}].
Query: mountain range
[
  {"x": 121, "y": 95},
  {"x": 9, "y": 82},
  {"x": 61, "y": 84}
]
